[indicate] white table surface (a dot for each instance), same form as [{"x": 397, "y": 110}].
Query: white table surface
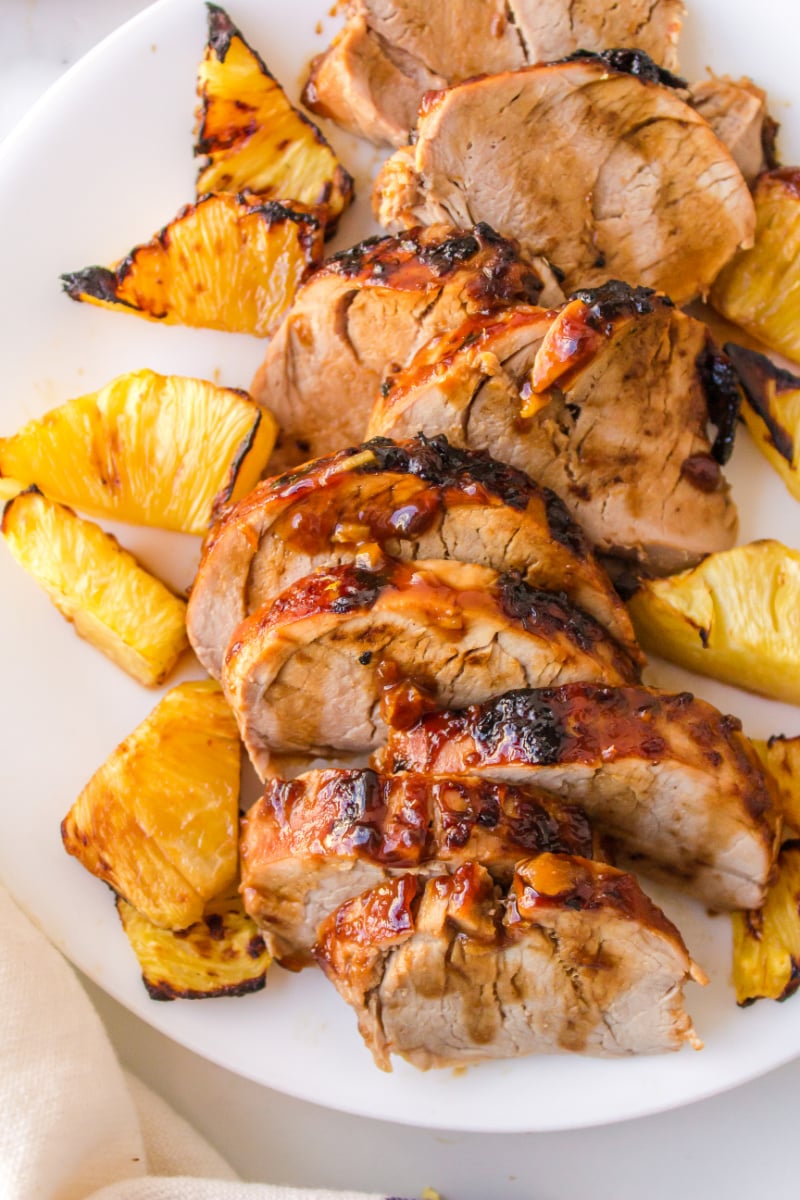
[{"x": 742, "y": 1144}]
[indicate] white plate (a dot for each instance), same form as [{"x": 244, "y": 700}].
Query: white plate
[{"x": 101, "y": 163}]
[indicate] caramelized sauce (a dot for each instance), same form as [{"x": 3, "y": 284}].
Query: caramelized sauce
[{"x": 562, "y": 881}]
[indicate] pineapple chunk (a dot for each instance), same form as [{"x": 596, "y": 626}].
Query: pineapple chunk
[
  {"x": 760, "y": 287},
  {"x": 252, "y": 137},
  {"x": 771, "y": 411},
  {"x": 159, "y": 820},
  {"x": 152, "y": 449},
  {"x": 780, "y": 758},
  {"x": 735, "y": 617},
  {"x": 9, "y": 488},
  {"x": 110, "y": 599},
  {"x": 766, "y": 943},
  {"x": 221, "y": 954},
  {"x": 225, "y": 262}
]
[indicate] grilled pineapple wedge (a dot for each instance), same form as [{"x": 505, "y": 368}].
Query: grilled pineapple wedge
[
  {"x": 226, "y": 262},
  {"x": 111, "y": 600},
  {"x": 780, "y": 757},
  {"x": 222, "y": 954},
  {"x": 735, "y": 617},
  {"x": 771, "y": 411},
  {"x": 152, "y": 449},
  {"x": 766, "y": 943},
  {"x": 252, "y": 137},
  {"x": 760, "y": 288},
  {"x": 159, "y": 820}
]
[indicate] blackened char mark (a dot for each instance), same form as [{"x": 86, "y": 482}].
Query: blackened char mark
[
  {"x": 358, "y": 588},
  {"x": 630, "y": 62},
  {"x": 439, "y": 463},
  {"x": 351, "y": 262},
  {"x": 524, "y": 719},
  {"x": 446, "y": 256},
  {"x": 530, "y": 605},
  {"x": 723, "y": 392},
  {"x": 221, "y": 31},
  {"x": 615, "y": 299},
  {"x": 562, "y": 527},
  {"x": 755, "y": 372}
]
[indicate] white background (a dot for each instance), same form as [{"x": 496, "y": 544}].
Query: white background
[{"x": 738, "y": 1145}]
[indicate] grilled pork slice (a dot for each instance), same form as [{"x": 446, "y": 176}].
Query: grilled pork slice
[
  {"x": 307, "y": 673},
  {"x": 607, "y": 403},
  {"x": 544, "y": 155},
  {"x": 572, "y": 957},
  {"x": 370, "y": 307},
  {"x": 736, "y": 109},
  {"x": 669, "y": 777},
  {"x": 311, "y": 844},
  {"x": 373, "y": 77},
  {"x": 417, "y": 499}
]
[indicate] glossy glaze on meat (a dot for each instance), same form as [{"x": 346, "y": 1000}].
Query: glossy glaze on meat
[
  {"x": 572, "y": 957},
  {"x": 670, "y": 777},
  {"x": 313, "y": 842}
]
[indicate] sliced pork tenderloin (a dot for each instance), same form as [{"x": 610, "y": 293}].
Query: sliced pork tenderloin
[
  {"x": 736, "y": 109},
  {"x": 371, "y": 307},
  {"x": 573, "y": 957},
  {"x": 308, "y": 673},
  {"x": 417, "y": 499},
  {"x": 312, "y": 843},
  {"x": 597, "y": 163},
  {"x": 373, "y": 77},
  {"x": 674, "y": 781},
  {"x": 607, "y": 402}
]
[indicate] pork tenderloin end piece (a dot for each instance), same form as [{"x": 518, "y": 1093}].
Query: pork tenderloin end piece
[
  {"x": 312, "y": 843},
  {"x": 572, "y": 957},
  {"x": 373, "y": 77},
  {"x": 670, "y": 778},
  {"x": 313, "y": 671},
  {"x": 607, "y": 401},
  {"x": 608, "y": 174},
  {"x": 417, "y": 499},
  {"x": 367, "y": 310},
  {"x": 736, "y": 109}
]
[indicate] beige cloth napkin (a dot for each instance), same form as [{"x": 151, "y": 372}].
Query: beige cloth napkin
[{"x": 74, "y": 1125}]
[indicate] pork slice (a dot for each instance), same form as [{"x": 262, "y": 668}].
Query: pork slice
[
  {"x": 373, "y": 77},
  {"x": 308, "y": 673},
  {"x": 310, "y": 844},
  {"x": 606, "y": 173},
  {"x": 736, "y": 109},
  {"x": 367, "y": 309},
  {"x": 572, "y": 957},
  {"x": 607, "y": 402},
  {"x": 418, "y": 499},
  {"x": 669, "y": 777}
]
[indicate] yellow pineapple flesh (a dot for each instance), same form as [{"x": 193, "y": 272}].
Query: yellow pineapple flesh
[
  {"x": 221, "y": 954},
  {"x": 766, "y": 943},
  {"x": 151, "y": 449},
  {"x": 252, "y": 137},
  {"x": 111, "y": 600},
  {"x": 159, "y": 820},
  {"x": 771, "y": 411},
  {"x": 735, "y": 617},
  {"x": 780, "y": 757},
  {"x": 226, "y": 262},
  {"x": 760, "y": 288}
]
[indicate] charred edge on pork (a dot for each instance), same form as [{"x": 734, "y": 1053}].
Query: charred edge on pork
[{"x": 630, "y": 62}]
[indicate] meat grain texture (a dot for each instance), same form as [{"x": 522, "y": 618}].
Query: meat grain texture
[
  {"x": 418, "y": 499},
  {"x": 607, "y": 174},
  {"x": 606, "y": 402},
  {"x": 371, "y": 307},
  {"x": 373, "y": 77},
  {"x": 571, "y": 957}
]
